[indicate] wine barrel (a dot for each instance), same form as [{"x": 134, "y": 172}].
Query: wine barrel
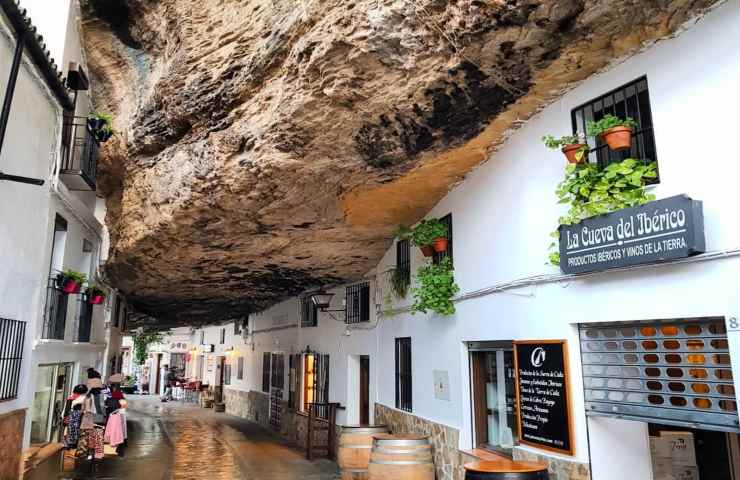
[
  {"x": 401, "y": 457},
  {"x": 355, "y": 443},
  {"x": 488, "y": 470}
]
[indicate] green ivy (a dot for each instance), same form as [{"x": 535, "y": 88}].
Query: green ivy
[
  {"x": 436, "y": 288},
  {"x": 141, "y": 344},
  {"x": 590, "y": 191}
]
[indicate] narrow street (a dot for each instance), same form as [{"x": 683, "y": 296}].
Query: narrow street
[{"x": 181, "y": 441}]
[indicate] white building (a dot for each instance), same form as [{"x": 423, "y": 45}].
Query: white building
[
  {"x": 49, "y": 338},
  {"x": 672, "y": 352}
]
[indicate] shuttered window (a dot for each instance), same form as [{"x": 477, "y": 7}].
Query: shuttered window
[
  {"x": 668, "y": 372},
  {"x": 266, "y": 372},
  {"x": 278, "y": 371},
  {"x": 403, "y": 374}
]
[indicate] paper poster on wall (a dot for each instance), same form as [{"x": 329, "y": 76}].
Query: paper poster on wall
[{"x": 543, "y": 395}]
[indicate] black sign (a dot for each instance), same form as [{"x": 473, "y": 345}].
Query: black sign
[
  {"x": 543, "y": 396},
  {"x": 657, "y": 231}
]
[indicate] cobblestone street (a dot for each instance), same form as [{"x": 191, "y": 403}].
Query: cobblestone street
[{"x": 180, "y": 441}]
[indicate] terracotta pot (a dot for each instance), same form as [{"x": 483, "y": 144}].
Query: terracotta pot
[
  {"x": 70, "y": 286},
  {"x": 440, "y": 244},
  {"x": 618, "y": 138},
  {"x": 96, "y": 299},
  {"x": 427, "y": 250},
  {"x": 571, "y": 150}
]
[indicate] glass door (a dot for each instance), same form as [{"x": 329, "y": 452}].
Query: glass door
[
  {"x": 62, "y": 391},
  {"x": 42, "y": 397}
]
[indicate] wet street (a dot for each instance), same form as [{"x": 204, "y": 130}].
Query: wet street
[{"x": 181, "y": 441}]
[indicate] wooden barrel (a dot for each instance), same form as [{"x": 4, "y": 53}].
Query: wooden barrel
[
  {"x": 355, "y": 443},
  {"x": 489, "y": 470},
  {"x": 401, "y": 457}
]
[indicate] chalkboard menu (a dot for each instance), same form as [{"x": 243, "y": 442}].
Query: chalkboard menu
[{"x": 543, "y": 397}]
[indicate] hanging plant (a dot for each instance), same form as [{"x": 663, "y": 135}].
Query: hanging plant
[
  {"x": 399, "y": 283},
  {"x": 95, "y": 296},
  {"x": 430, "y": 236},
  {"x": 141, "y": 344},
  {"x": 71, "y": 281},
  {"x": 436, "y": 288},
  {"x": 573, "y": 146},
  {"x": 101, "y": 126},
  {"x": 590, "y": 191},
  {"x": 616, "y": 132}
]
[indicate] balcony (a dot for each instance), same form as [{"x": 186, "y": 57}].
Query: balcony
[
  {"x": 55, "y": 316},
  {"x": 80, "y": 151}
]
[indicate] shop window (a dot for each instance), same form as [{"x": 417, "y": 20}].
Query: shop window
[
  {"x": 494, "y": 397},
  {"x": 309, "y": 313},
  {"x": 266, "y": 357},
  {"x": 357, "y": 307},
  {"x": 403, "y": 374},
  {"x": 240, "y": 368},
  {"x": 438, "y": 256},
  {"x": 630, "y": 100}
]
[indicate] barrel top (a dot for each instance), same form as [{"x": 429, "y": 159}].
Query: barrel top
[
  {"x": 400, "y": 439},
  {"x": 505, "y": 466},
  {"x": 372, "y": 427}
]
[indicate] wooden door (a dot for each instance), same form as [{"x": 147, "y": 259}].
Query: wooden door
[
  {"x": 480, "y": 410},
  {"x": 158, "y": 374},
  {"x": 364, "y": 389}
]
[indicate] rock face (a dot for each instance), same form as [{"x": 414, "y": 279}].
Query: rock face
[{"x": 270, "y": 146}]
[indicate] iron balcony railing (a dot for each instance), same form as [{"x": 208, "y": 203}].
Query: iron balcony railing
[
  {"x": 12, "y": 335},
  {"x": 55, "y": 316},
  {"x": 79, "y": 153}
]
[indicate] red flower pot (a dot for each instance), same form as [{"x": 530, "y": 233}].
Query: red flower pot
[
  {"x": 96, "y": 299},
  {"x": 427, "y": 250},
  {"x": 440, "y": 244},
  {"x": 618, "y": 138},
  {"x": 70, "y": 286},
  {"x": 571, "y": 150}
]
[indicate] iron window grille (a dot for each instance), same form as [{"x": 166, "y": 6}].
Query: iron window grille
[
  {"x": 357, "y": 308},
  {"x": 309, "y": 313},
  {"x": 55, "y": 315},
  {"x": 403, "y": 374},
  {"x": 318, "y": 384},
  {"x": 438, "y": 256},
  {"x": 278, "y": 371},
  {"x": 12, "y": 336},
  {"x": 240, "y": 368},
  {"x": 403, "y": 261},
  {"x": 266, "y": 372},
  {"x": 116, "y": 311},
  {"x": 222, "y": 339},
  {"x": 84, "y": 319},
  {"x": 630, "y": 100}
]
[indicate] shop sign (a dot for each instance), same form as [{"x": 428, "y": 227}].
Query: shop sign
[
  {"x": 663, "y": 230},
  {"x": 543, "y": 396}
]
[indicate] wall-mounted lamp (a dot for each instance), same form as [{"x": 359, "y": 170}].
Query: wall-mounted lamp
[{"x": 322, "y": 299}]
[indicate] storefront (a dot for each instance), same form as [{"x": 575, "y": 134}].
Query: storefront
[{"x": 53, "y": 386}]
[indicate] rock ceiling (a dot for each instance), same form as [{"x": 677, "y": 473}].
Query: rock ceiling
[{"x": 269, "y": 146}]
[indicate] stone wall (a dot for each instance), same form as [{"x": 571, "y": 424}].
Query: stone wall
[
  {"x": 444, "y": 439},
  {"x": 559, "y": 468},
  {"x": 11, "y": 440}
]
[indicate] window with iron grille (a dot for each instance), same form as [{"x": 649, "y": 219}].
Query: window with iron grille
[
  {"x": 403, "y": 261},
  {"x": 316, "y": 383},
  {"x": 84, "y": 326},
  {"x": 116, "y": 311},
  {"x": 309, "y": 313},
  {"x": 438, "y": 256},
  {"x": 630, "y": 100},
  {"x": 357, "y": 308},
  {"x": 237, "y": 327},
  {"x": 278, "y": 371},
  {"x": 240, "y": 368},
  {"x": 403, "y": 374},
  {"x": 202, "y": 337},
  {"x": 55, "y": 315},
  {"x": 266, "y": 372},
  {"x": 13, "y": 333},
  {"x": 222, "y": 340},
  {"x": 227, "y": 373}
]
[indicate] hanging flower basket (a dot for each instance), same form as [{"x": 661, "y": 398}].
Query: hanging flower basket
[
  {"x": 440, "y": 244},
  {"x": 96, "y": 299},
  {"x": 426, "y": 250},
  {"x": 71, "y": 281},
  {"x": 70, "y": 286}
]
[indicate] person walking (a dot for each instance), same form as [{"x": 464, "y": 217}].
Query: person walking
[{"x": 169, "y": 381}]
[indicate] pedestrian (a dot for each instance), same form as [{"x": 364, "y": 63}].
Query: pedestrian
[
  {"x": 169, "y": 380},
  {"x": 92, "y": 373},
  {"x": 145, "y": 381}
]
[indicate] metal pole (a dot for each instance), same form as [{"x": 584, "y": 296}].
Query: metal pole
[{"x": 10, "y": 90}]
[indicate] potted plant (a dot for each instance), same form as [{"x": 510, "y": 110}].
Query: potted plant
[
  {"x": 430, "y": 236},
  {"x": 95, "y": 296},
  {"x": 436, "y": 288},
  {"x": 616, "y": 132},
  {"x": 71, "y": 281},
  {"x": 101, "y": 126},
  {"x": 574, "y": 147}
]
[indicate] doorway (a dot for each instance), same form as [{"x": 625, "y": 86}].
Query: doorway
[
  {"x": 365, "y": 389},
  {"x": 53, "y": 385},
  {"x": 158, "y": 374}
]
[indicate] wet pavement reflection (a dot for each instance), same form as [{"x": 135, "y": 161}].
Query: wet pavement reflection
[{"x": 181, "y": 441}]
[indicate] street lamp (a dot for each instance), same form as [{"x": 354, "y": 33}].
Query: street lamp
[{"x": 322, "y": 299}]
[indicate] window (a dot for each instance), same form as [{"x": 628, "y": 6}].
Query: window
[
  {"x": 403, "y": 374},
  {"x": 116, "y": 311},
  {"x": 630, "y": 100},
  {"x": 84, "y": 324},
  {"x": 357, "y": 307},
  {"x": 202, "y": 337},
  {"x": 237, "y": 327},
  {"x": 227, "y": 372},
  {"x": 177, "y": 363},
  {"x": 11, "y": 356},
  {"x": 316, "y": 382},
  {"x": 240, "y": 368},
  {"x": 309, "y": 313},
  {"x": 438, "y": 256},
  {"x": 403, "y": 261},
  {"x": 266, "y": 372},
  {"x": 222, "y": 339},
  {"x": 494, "y": 395},
  {"x": 277, "y": 371}
]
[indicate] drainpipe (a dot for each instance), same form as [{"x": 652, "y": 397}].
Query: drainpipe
[{"x": 7, "y": 102}]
